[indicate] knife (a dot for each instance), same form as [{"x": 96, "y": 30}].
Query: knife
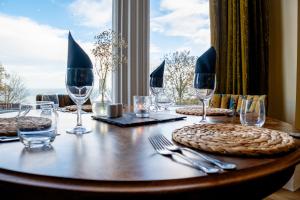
[
  {"x": 294, "y": 134},
  {"x": 9, "y": 139}
]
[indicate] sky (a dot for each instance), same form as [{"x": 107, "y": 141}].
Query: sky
[{"x": 33, "y": 33}]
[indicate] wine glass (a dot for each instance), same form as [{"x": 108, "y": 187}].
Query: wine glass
[
  {"x": 155, "y": 91},
  {"x": 163, "y": 101},
  {"x": 156, "y": 87},
  {"x": 79, "y": 84},
  {"x": 205, "y": 86},
  {"x": 53, "y": 98}
]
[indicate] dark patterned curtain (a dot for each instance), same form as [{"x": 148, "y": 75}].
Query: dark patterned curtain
[{"x": 240, "y": 34}]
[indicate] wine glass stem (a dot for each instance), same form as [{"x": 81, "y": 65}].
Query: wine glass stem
[
  {"x": 155, "y": 102},
  {"x": 203, "y": 110},
  {"x": 79, "y": 121}
]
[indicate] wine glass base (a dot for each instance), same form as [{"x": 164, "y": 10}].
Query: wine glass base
[
  {"x": 79, "y": 130},
  {"x": 203, "y": 121}
]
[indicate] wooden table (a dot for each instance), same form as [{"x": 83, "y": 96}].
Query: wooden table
[{"x": 114, "y": 163}]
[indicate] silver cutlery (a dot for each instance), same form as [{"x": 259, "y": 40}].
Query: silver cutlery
[
  {"x": 159, "y": 148},
  {"x": 9, "y": 138},
  {"x": 172, "y": 147},
  {"x": 294, "y": 134}
]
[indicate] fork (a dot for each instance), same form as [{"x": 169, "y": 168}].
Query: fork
[
  {"x": 159, "y": 148},
  {"x": 172, "y": 147}
]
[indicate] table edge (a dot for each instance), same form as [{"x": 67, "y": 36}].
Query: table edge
[{"x": 150, "y": 186}]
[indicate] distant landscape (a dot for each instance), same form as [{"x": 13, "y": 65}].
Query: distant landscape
[{"x": 34, "y": 92}]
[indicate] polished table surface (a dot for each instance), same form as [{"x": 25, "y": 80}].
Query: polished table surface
[{"x": 114, "y": 161}]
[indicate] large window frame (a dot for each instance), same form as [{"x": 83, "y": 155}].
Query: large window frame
[{"x": 131, "y": 19}]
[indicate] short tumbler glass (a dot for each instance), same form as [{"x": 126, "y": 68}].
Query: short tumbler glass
[
  {"x": 37, "y": 124},
  {"x": 141, "y": 106},
  {"x": 253, "y": 112}
]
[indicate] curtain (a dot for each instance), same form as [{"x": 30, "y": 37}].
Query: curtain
[
  {"x": 131, "y": 19},
  {"x": 240, "y": 34}
]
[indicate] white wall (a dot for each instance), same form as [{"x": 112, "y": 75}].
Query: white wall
[
  {"x": 283, "y": 59},
  {"x": 284, "y": 73}
]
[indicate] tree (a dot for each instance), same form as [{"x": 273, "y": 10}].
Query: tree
[
  {"x": 179, "y": 74},
  {"x": 12, "y": 88},
  {"x": 3, "y": 76}
]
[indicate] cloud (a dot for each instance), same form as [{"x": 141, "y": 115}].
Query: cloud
[
  {"x": 187, "y": 19},
  {"x": 92, "y": 13},
  {"x": 37, "y": 52},
  {"x": 154, "y": 48}
]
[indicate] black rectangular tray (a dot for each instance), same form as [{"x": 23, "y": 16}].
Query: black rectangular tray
[{"x": 129, "y": 119}]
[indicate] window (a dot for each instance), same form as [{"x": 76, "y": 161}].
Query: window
[
  {"x": 179, "y": 33},
  {"x": 33, "y": 38}
]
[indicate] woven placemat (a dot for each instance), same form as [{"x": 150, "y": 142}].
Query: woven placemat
[
  {"x": 232, "y": 139},
  {"x": 197, "y": 110},
  {"x": 72, "y": 108},
  {"x": 8, "y": 126}
]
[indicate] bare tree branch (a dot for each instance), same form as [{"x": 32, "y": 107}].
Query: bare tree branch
[
  {"x": 106, "y": 60},
  {"x": 12, "y": 88},
  {"x": 179, "y": 74}
]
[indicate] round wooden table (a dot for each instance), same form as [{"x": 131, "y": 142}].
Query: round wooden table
[{"x": 114, "y": 163}]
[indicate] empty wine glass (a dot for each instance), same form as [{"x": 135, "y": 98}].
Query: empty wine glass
[
  {"x": 163, "y": 101},
  {"x": 79, "y": 84},
  {"x": 53, "y": 98},
  {"x": 205, "y": 86},
  {"x": 154, "y": 92}
]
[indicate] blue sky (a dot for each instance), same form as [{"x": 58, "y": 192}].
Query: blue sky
[{"x": 33, "y": 34}]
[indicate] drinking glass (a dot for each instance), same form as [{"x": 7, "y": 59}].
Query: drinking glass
[
  {"x": 252, "y": 112},
  {"x": 79, "y": 84},
  {"x": 37, "y": 124},
  {"x": 141, "y": 106},
  {"x": 205, "y": 86},
  {"x": 53, "y": 98}
]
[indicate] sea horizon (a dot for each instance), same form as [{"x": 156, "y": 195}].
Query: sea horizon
[{"x": 32, "y": 92}]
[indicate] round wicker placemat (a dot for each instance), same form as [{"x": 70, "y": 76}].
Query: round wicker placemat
[
  {"x": 72, "y": 108},
  {"x": 197, "y": 110},
  {"x": 8, "y": 126},
  {"x": 232, "y": 139}
]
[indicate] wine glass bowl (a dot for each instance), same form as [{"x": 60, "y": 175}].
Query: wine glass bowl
[
  {"x": 156, "y": 87},
  {"x": 205, "y": 86},
  {"x": 163, "y": 101},
  {"x": 79, "y": 84},
  {"x": 154, "y": 92},
  {"x": 52, "y": 98}
]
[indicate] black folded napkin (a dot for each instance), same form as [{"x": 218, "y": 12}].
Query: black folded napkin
[
  {"x": 204, "y": 69},
  {"x": 77, "y": 58},
  {"x": 157, "y": 76},
  {"x": 206, "y": 63},
  {"x": 78, "y": 63}
]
